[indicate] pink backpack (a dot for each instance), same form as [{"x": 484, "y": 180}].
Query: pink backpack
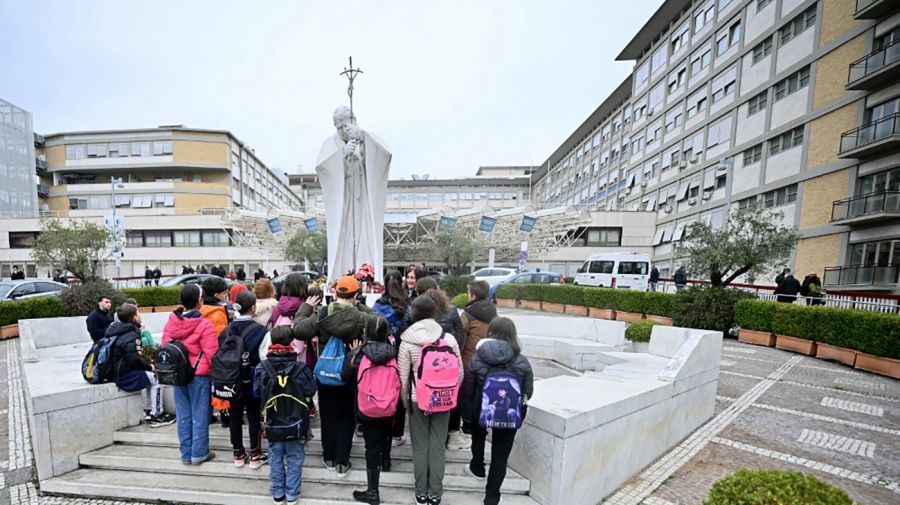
[
  {"x": 299, "y": 345},
  {"x": 378, "y": 388},
  {"x": 437, "y": 377}
]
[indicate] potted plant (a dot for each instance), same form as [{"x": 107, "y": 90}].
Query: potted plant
[
  {"x": 638, "y": 333},
  {"x": 754, "y": 318}
]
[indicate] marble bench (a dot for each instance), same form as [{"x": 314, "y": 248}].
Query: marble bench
[{"x": 575, "y": 342}]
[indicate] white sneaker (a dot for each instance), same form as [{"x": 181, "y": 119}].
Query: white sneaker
[
  {"x": 459, "y": 441},
  {"x": 398, "y": 441}
]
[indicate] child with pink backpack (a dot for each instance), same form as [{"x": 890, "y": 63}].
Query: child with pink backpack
[{"x": 432, "y": 358}]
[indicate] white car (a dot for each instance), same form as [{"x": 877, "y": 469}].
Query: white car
[
  {"x": 495, "y": 275},
  {"x": 615, "y": 270}
]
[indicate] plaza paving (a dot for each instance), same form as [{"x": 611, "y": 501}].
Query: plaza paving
[{"x": 774, "y": 409}]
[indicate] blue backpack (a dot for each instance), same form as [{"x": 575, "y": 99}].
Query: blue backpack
[
  {"x": 501, "y": 400},
  {"x": 97, "y": 366},
  {"x": 331, "y": 363}
]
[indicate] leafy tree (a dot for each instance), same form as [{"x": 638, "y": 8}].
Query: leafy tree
[
  {"x": 309, "y": 246},
  {"x": 80, "y": 246},
  {"x": 752, "y": 243},
  {"x": 454, "y": 248}
]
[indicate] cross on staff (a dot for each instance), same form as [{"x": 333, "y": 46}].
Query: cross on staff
[{"x": 351, "y": 74}]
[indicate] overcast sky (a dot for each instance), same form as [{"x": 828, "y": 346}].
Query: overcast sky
[{"x": 449, "y": 86}]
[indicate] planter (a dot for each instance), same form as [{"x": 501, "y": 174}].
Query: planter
[
  {"x": 640, "y": 347},
  {"x": 530, "y": 304},
  {"x": 665, "y": 321},
  {"x": 577, "y": 310},
  {"x": 835, "y": 353},
  {"x": 508, "y": 303},
  {"x": 628, "y": 316},
  {"x": 145, "y": 310},
  {"x": 756, "y": 337},
  {"x": 802, "y": 346},
  {"x": 9, "y": 331},
  {"x": 882, "y": 366},
  {"x": 556, "y": 308},
  {"x": 601, "y": 313},
  {"x": 165, "y": 308}
]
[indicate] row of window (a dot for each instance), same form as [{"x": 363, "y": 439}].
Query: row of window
[
  {"x": 177, "y": 238},
  {"x": 118, "y": 150},
  {"x": 777, "y": 144},
  {"x": 770, "y": 199},
  {"x": 142, "y": 201}
]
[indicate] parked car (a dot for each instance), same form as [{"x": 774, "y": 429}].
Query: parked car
[
  {"x": 192, "y": 279},
  {"x": 29, "y": 288},
  {"x": 279, "y": 281},
  {"x": 494, "y": 275},
  {"x": 551, "y": 278},
  {"x": 615, "y": 270},
  {"x": 437, "y": 275}
]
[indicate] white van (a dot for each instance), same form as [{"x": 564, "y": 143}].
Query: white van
[{"x": 615, "y": 270}]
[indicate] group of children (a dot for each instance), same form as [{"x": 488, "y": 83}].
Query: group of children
[{"x": 411, "y": 353}]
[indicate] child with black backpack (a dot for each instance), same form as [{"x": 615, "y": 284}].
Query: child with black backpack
[
  {"x": 232, "y": 373},
  {"x": 495, "y": 391},
  {"x": 285, "y": 387}
]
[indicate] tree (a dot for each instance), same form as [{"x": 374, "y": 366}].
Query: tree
[
  {"x": 454, "y": 248},
  {"x": 752, "y": 243},
  {"x": 308, "y": 246},
  {"x": 80, "y": 247}
]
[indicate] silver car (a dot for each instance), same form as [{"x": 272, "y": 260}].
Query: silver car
[{"x": 29, "y": 288}]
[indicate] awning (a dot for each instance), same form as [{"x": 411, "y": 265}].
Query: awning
[
  {"x": 630, "y": 182},
  {"x": 651, "y": 203},
  {"x": 658, "y": 237},
  {"x": 679, "y": 232},
  {"x": 682, "y": 191},
  {"x": 667, "y": 235},
  {"x": 709, "y": 180}
]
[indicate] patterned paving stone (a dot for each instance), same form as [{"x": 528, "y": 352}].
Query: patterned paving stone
[{"x": 837, "y": 443}]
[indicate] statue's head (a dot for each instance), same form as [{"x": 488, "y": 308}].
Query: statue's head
[{"x": 343, "y": 118}]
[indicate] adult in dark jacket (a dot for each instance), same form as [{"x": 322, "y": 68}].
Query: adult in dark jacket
[
  {"x": 344, "y": 319},
  {"x": 17, "y": 274},
  {"x": 788, "y": 290},
  {"x": 780, "y": 277},
  {"x": 680, "y": 278},
  {"x": 449, "y": 314},
  {"x": 148, "y": 276},
  {"x": 654, "y": 278},
  {"x": 812, "y": 289},
  {"x": 499, "y": 351},
  {"x": 241, "y": 275},
  {"x": 476, "y": 317},
  {"x": 157, "y": 275},
  {"x": 100, "y": 319}
]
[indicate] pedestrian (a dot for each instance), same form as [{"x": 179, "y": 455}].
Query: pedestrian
[
  {"x": 294, "y": 292},
  {"x": 202, "y": 269},
  {"x": 185, "y": 270},
  {"x": 680, "y": 278},
  {"x": 256, "y": 276},
  {"x": 146, "y": 337},
  {"x": 265, "y": 301},
  {"x": 339, "y": 327},
  {"x": 476, "y": 317},
  {"x": 275, "y": 274},
  {"x": 428, "y": 426},
  {"x": 60, "y": 277},
  {"x": 215, "y": 303},
  {"x": 148, "y": 275},
  {"x": 157, "y": 274},
  {"x": 232, "y": 275},
  {"x": 788, "y": 289},
  {"x": 285, "y": 387},
  {"x": 192, "y": 407},
  {"x": 241, "y": 274},
  {"x": 812, "y": 290},
  {"x": 236, "y": 289},
  {"x": 17, "y": 274},
  {"x": 392, "y": 305},
  {"x": 495, "y": 392},
  {"x": 780, "y": 277},
  {"x": 413, "y": 275},
  {"x": 654, "y": 278},
  {"x": 100, "y": 318}
]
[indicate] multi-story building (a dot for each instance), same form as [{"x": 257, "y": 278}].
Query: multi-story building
[{"x": 18, "y": 193}]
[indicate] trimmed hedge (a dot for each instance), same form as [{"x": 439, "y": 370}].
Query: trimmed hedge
[
  {"x": 755, "y": 315},
  {"x": 658, "y": 304},
  {"x": 639, "y": 331},
  {"x": 565, "y": 294},
  {"x": 655, "y": 304},
  {"x": 627, "y": 300},
  {"x": 707, "y": 308},
  {"x": 31, "y": 308},
  {"x": 455, "y": 284},
  {"x": 154, "y": 296},
  {"x": 768, "y": 487},
  {"x": 460, "y": 300},
  {"x": 600, "y": 298},
  {"x": 569, "y": 280}
]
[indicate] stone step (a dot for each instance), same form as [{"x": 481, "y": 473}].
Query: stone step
[
  {"x": 167, "y": 460},
  {"x": 223, "y": 490}
]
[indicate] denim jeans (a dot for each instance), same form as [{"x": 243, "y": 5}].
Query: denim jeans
[
  {"x": 286, "y": 457},
  {"x": 192, "y": 413}
]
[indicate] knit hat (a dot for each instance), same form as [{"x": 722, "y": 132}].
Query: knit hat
[
  {"x": 346, "y": 285},
  {"x": 236, "y": 289}
]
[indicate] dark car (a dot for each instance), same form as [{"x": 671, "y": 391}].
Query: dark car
[
  {"x": 192, "y": 279},
  {"x": 29, "y": 288},
  {"x": 279, "y": 281},
  {"x": 551, "y": 278},
  {"x": 437, "y": 275}
]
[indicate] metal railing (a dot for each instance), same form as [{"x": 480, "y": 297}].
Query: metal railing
[
  {"x": 40, "y": 164},
  {"x": 863, "y": 4},
  {"x": 862, "y": 275},
  {"x": 43, "y": 190},
  {"x": 871, "y": 203},
  {"x": 873, "y": 62},
  {"x": 869, "y": 133}
]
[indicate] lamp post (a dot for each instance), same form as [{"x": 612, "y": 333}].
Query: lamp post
[{"x": 116, "y": 182}]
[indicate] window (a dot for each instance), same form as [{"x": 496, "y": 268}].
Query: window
[
  {"x": 757, "y": 103},
  {"x": 696, "y": 103},
  {"x": 658, "y": 60},
  {"x": 157, "y": 238},
  {"x": 601, "y": 267},
  {"x": 719, "y": 133},
  {"x": 762, "y": 50},
  {"x": 792, "y": 83},
  {"x": 786, "y": 140},
  {"x": 723, "y": 85},
  {"x": 721, "y": 181},
  {"x": 163, "y": 148},
  {"x": 700, "y": 61},
  {"x": 747, "y": 202},
  {"x": 798, "y": 25},
  {"x": 762, "y": 4},
  {"x": 96, "y": 150},
  {"x": 118, "y": 150},
  {"x": 214, "y": 238},
  {"x": 637, "y": 145},
  {"x": 674, "y": 119},
  {"x": 679, "y": 40},
  {"x": 704, "y": 15},
  {"x": 634, "y": 267},
  {"x": 123, "y": 201},
  {"x": 186, "y": 238},
  {"x": 780, "y": 196},
  {"x": 24, "y": 239},
  {"x": 728, "y": 38},
  {"x": 140, "y": 148},
  {"x": 753, "y": 154},
  {"x": 602, "y": 237},
  {"x": 642, "y": 74},
  {"x": 677, "y": 79},
  {"x": 75, "y": 152},
  {"x": 875, "y": 183}
]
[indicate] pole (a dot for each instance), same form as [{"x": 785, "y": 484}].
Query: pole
[{"x": 115, "y": 230}]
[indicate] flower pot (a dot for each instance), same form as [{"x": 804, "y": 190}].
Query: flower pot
[
  {"x": 577, "y": 310},
  {"x": 530, "y": 304},
  {"x": 803, "y": 346},
  {"x": 640, "y": 347},
  {"x": 756, "y": 337},
  {"x": 9, "y": 331},
  {"x": 556, "y": 308},
  {"x": 665, "y": 321},
  {"x": 509, "y": 303},
  {"x": 601, "y": 313},
  {"x": 835, "y": 353},
  {"x": 628, "y": 316},
  {"x": 882, "y": 366}
]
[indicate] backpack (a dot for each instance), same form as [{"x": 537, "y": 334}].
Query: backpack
[
  {"x": 299, "y": 345},
  {"x": 378, "y": 388},
  {"x": 97, "y": 366},
  {"x": 231, "y": 365},
  {"x": 173, "y": 365},
  {"x": 501, "y": 410},
  {"x": 437, "y": 377},
  {"x": 331, "y": 363},
  {"x": 285, "y": 414}
]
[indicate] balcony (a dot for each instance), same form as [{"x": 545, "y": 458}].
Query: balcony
[
  {"x": 43, "y": 190},
  {"x": 868, "y": 208},
  {"x": 880, "y": 67},
  {"x": 40, "y": 164},
  {"x": 38, "y": 140},
  {"x": 863, "y": 277},
  {"x": 873, "y": 9},
  {"x": 871, "y": 139}
]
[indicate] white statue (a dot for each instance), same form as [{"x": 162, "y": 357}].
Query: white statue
[{"x": 353, "y": 171}]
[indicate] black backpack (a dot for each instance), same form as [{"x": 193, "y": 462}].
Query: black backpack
[
  {"x": 231, "y": 364},
  {"x": 97, "y": 366},
  {"x": 173, "y": 365},
  {"x": 285, "y": 414}
]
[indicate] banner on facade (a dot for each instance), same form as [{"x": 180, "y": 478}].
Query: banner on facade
[
  {"x": 487, "y": 224},
  {"x": 312, "y": 224},
  {"x": 527, "y": 225},
  {"x": 446, "y": 224}
]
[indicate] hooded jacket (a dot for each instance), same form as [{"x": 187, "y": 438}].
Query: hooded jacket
[
  {"x": 449, "y": 321},
  {"x": 492, "y": 354},
  {"x": 286, "y": 306},
  {"x": 413, "y": 339},
  {"x": 264, "y": 308},
  {"x": 217, "y": 315},
  {"x": 253, "y": 340},
  {"x": 395, "y": 319},
  {"x": 475, "y": 319},
  {"x": 341, "y": 320},
  {"x": 126, "y": 356},
  {"x": 196, "y": 333},
  {"x": 280, "y": 361}
]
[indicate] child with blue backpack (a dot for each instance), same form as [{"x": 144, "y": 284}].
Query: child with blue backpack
[
  {"x": 285, "y": 387},
  {"x": 494, "y": 395}
]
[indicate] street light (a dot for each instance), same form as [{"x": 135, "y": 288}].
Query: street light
[{"x": 116, "y": 182}]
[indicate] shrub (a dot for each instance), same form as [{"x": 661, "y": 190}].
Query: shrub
[
  {"x": 30, "y": 308},
  {"x": 569, "y": 280},
  {"x": 81, "y": 299},
  {"x": 767, "y": 487},
  {"x": 461, "y": 300},
  {"x": 707, "y": 308},
  {"x": 639, "y": 331},
  {"x": 658, "y": 304},
  {"x": 154, "y": 296},
  {"x": 627, "y": 300},
  {"x": 508, "y": 292},
  {"x": 755, "y": 315},
  {"x": 565, "y": 294},
  {"x": 532, "y": 292},
  {"x": 865, "y": 331},
  {"x": 456, "y": 284},
  {"x": 599, "y": 298}
]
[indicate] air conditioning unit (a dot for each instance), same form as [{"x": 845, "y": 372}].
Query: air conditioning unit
[
  {"x": 667, "y": 209},
  {"x": 682, "y": 164},
  {"x": 650, "y": 112},
  {"x": 643, "y": 184},
  {"x": 693, "y": 159},
  {"x": 627, "y": 191},
  {"x": 707, "y": 195},
  {"x": 722, "y": 166},
  {"x": 692, "y": 200}
]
